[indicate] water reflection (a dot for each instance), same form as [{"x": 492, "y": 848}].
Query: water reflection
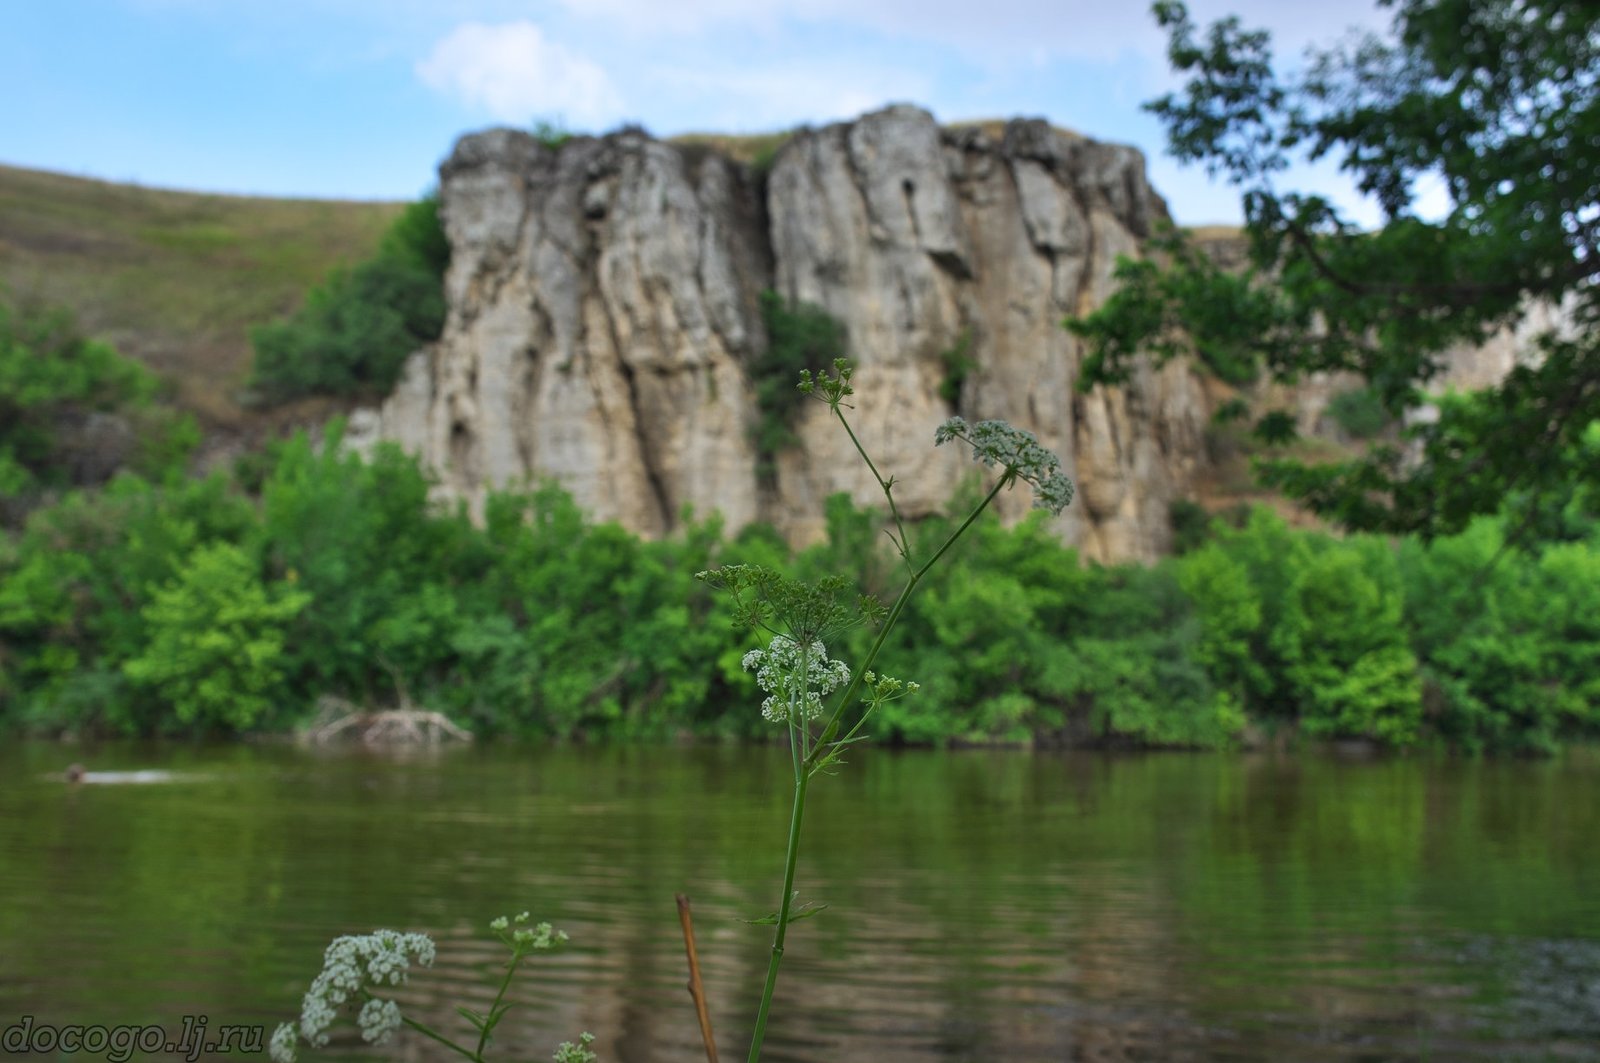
[{"x": 985, "y": 905}]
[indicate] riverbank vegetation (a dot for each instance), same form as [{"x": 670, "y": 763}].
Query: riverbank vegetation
[
  {"x": 182, "y": 606},
  {"x": 73, "y": 411}
]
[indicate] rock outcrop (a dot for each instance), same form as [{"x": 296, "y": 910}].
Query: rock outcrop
[{"x": 604, "y": 319}]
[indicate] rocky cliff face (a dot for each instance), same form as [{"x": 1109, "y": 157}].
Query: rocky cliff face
[{"x": 604, "y": 317}]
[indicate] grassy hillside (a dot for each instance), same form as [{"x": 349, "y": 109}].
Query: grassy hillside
[{"x": 175, "y": 279}]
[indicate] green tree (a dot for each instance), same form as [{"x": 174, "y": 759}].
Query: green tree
[
  {"x": 1509, "y": 641},
  {"x": 216, "y": 649},
  {"x": 1241, "y": 586},
  {"x": 355, "y": 331},
  {"x": 1495, "y": 99},
  {"x": 1344, "y": 649},
  {"x": 389, "y": 573},
  {"x": 74, "y": 585},
  {"x": 74, "y": 411},
  {"x": 1133, "y": 669},
  {"x": 1229, "y": 608},
  {"x": 1019, "y": 641}
]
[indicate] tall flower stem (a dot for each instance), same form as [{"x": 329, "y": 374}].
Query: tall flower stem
[
  {"x": 424, "y": 1031},
  {"x": 832, "y": 727},
  {"x": 902, "y": 544},
  {"x": 790, "y": 859},
  {"x": 804, "y": 769},
  {"x": 1020, "y": 457},
  {"x": 494, "y": 1011}
]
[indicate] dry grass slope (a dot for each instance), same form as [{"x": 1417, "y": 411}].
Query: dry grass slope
[{"x": 175, "y": 279}]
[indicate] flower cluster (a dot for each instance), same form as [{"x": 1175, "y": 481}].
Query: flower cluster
[
  {"x": 349, "y": 965},
  {"x": 567, "y": 1052},
  {"x": 1016, "y": 451},
  {"x": 778, "y": 672},
  {"x": 378, "y": 1020},
  {"x": 523, "y": 938},
  {"x": 834, "y": 389},
  {"x": 877, "y": 689}
]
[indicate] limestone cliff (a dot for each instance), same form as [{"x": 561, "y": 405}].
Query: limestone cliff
[{"x": 604, "y": 315}]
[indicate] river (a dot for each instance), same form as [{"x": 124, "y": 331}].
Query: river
[{"x": 983, "y": 905}]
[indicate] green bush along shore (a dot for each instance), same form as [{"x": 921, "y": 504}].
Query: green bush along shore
[{"x": 174, "y": 605}]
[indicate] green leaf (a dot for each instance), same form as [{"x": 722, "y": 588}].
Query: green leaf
[{"x": 804, "y": 911}]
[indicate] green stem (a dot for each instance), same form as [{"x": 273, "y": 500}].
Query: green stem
[
  {"x": 803, "y": 770},
  {"x": 798, "y": 730},
  {"x": 832, "y": 726},
  {"x": 904, "y": 545},
  {"x": 848, "y": 735},
  {"x": 789, "y": 861},
  {"x": 493, "y": 1018},
  {"x": 424, "y": 1031},
  {"x": 794, "y": 741}
]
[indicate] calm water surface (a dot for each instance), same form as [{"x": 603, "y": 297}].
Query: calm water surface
[{"x": 985, "y": 905}]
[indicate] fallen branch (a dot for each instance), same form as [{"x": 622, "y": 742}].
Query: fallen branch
[{"x": 386, "y": 727}]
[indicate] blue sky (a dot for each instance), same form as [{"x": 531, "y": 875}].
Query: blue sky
[{"x": 362, "y": 98}]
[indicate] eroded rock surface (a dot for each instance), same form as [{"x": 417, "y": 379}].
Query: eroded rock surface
[{"x": 604, "y": 317}]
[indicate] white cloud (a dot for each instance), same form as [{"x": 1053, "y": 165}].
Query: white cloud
[
  {"x": 775, "y": 97},
  {"x": 513, "y": 73},
  {"x": 996, "y": 30}
]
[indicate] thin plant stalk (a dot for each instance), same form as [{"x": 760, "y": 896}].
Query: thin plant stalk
[
  {"x": 696, "y": 987},
  {"x": 805, "y": 768},
  {"x": 791, "y": 857},
  {"x": 477, "y": 1057},
  {"x": 902, "y": 544},
  {"x": 832, "y": 728}
]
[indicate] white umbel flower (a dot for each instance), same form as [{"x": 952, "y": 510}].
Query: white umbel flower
[
  {"x": 284, "y": 1046},
  {"x": 351, "y": 964},
  {"x": 379, "y": 1019},
  {"x": 778, "y": 672},
  {"x": 1018, "y": 452}
]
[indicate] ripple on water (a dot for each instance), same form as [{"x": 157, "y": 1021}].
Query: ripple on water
[{"x": 984, "y": 906}]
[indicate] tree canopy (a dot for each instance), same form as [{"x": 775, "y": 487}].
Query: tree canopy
[
  {"x": 1496, "y": 100},
  {"x": 74, "y": 411},
  {"x": 356, "y": 330}
]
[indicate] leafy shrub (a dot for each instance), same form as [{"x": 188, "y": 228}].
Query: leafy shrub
[
  {"x": 552, "y": 134},
  {"x": 1240, "y": 584},
  {"x": 1019, "y": 641},
  {"x": 145, "y": 608},
  {"x": 1308, "y": 628},
  {"x": 73, "y": 411},
  {"x": 1190, "y": 523},
  {"x": 958, "y": 364},
  {"x": 216, "y": 649},
  {"x": 799, "y": 338},
  {"x": 1359, "y": 412},
  {"x": 355, "y": 331},
  {"x": 417, "y": 236},
  {"x": 1510, "y": 640},
  {"x": 1345, "y": 651},
  {"x": 72, "y": 593},
  {"x": 1133, "y": 670}
]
